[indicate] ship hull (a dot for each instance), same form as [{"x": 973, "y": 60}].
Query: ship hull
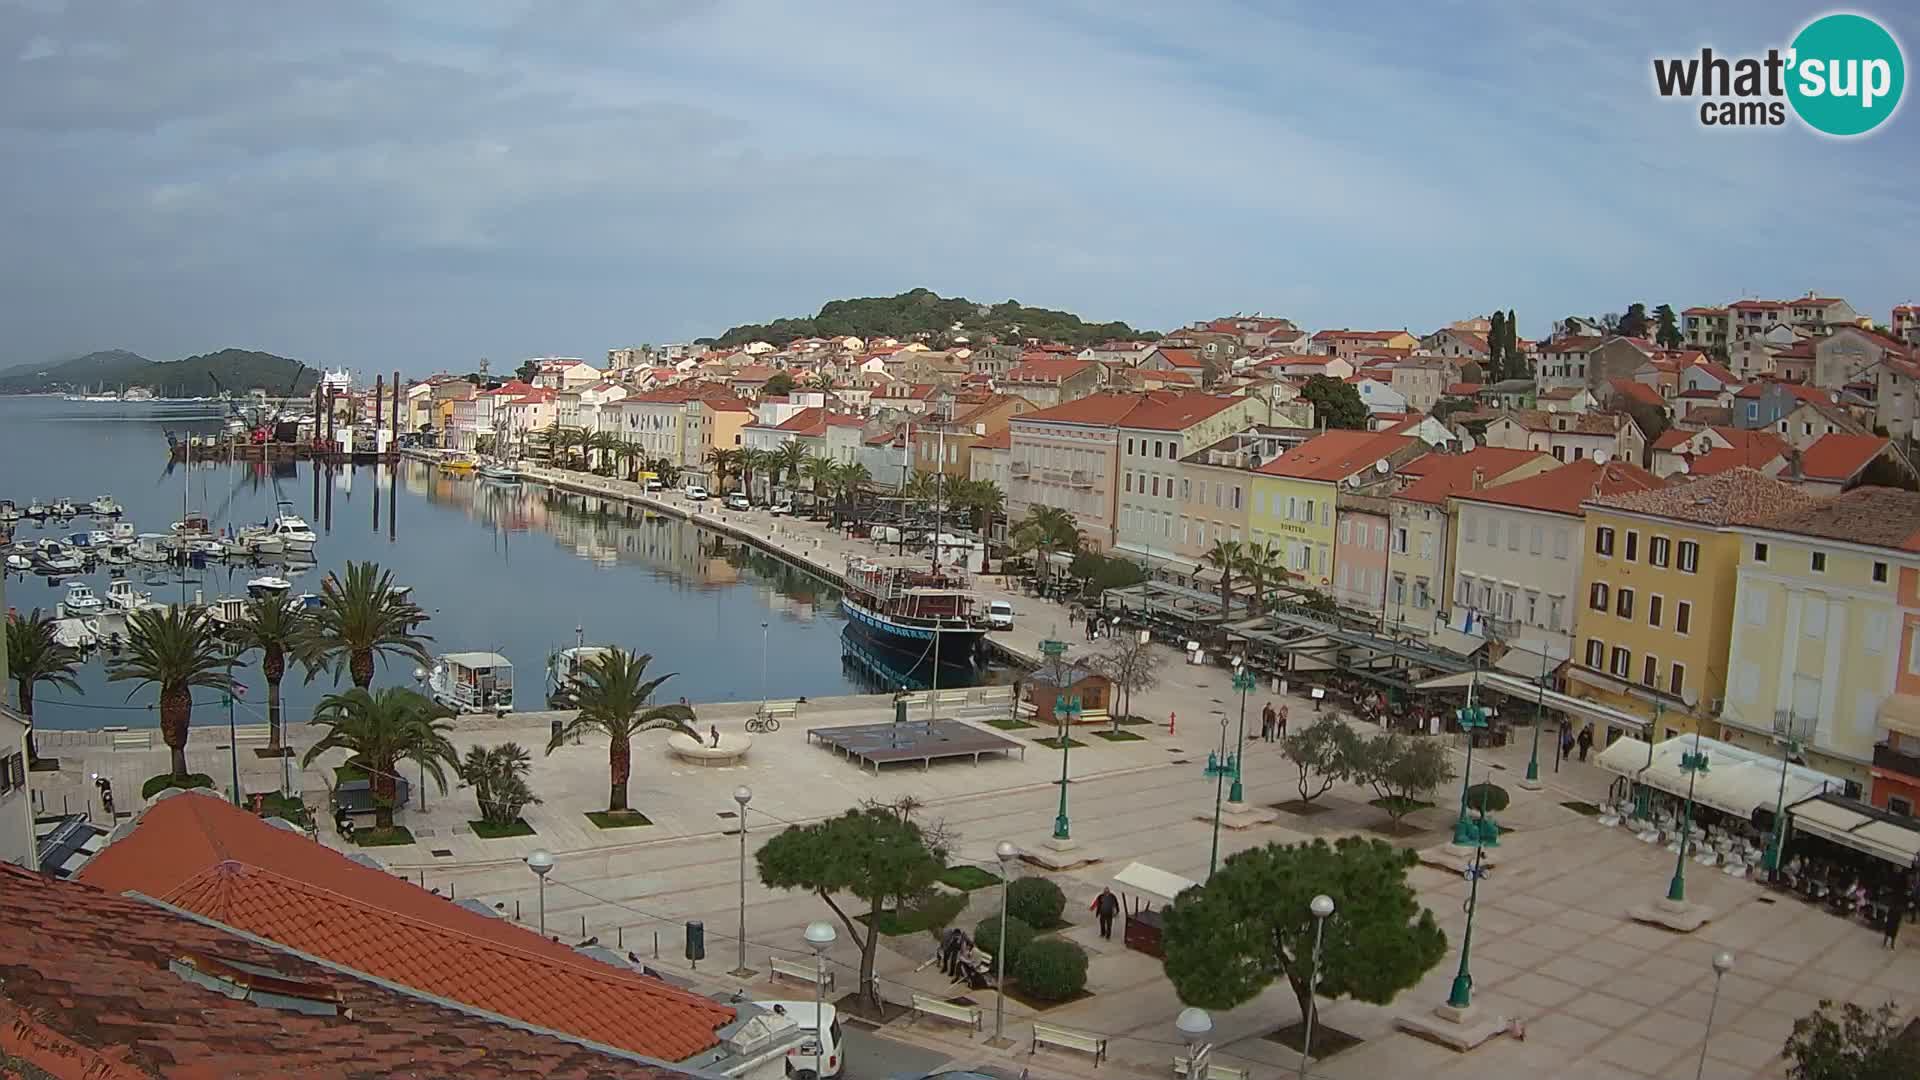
[{"x": 957, "y": 644}]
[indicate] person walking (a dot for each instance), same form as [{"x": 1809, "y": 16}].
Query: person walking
[
  {"x": 1269, "y": 720},
  {"x": 1105, "y": 907},
  {"x": 1585, "y": 741},
  {"x": 1566, "y": 741},
  {"x": 1896, "y": 914},
  {"x": 1282, "y": 730}
]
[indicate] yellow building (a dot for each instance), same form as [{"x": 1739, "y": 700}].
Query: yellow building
[
  {"x": 1658, "y": 579},
  {"x": 1293, "y": 494}
]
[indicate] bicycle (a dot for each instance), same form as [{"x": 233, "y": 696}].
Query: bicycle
[{"x": 758, "y": 725}]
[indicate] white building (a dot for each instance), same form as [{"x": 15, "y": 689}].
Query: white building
[{"x": 16, "y": 800}]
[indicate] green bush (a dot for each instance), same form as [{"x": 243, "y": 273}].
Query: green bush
[
  {"x": 157, "y": 784},
  {"x": 1019, "y": 937},
  {"x": 1494, "y": 796},
  {"x": 1051, "y": 969},
  {"x": 1036, "y": 902}
]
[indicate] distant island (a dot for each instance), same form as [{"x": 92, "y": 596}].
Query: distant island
[
  {"x": 924, "y": 315},
  {"x": 234, "y": 370}
]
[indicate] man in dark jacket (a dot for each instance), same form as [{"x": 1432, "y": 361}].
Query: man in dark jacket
[{"x": 1105, "y": 907}]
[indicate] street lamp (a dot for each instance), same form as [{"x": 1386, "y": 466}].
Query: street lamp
[
  {"x": 820, "y": 937},
  {"x": 540, "y": 861},
  {"x": 763, "y": 675},
  {"x": 1065, "y": 710},
  {"x": 1693, "y": 764},
  {"x": 1194, "y": 1026},
  {"x": 1321, "y": 907},
  {"x": 1790, "y": 748},
  {"x": 1722, "y": 963},
  {"x": 1539, "y": 710},
  {"x": 1461, "y": 995},
  {"x": 1005, "y": 852},
  {"x": 1471, "y": 719},
  {"x": 1220, "y": 765},
  {"x": 1243, "y": 681},
  {"x": 743, "y": 796}
]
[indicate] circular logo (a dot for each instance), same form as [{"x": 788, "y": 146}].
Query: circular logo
[{"x": 1847, "y": 75}]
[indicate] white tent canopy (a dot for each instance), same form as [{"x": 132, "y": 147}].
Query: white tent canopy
[
  {"x": 1859, "y": 827},
  {"x": 1153, "y": 881},
  {"x": 1737, "y": 780}
]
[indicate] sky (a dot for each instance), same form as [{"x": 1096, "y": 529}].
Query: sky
[{"x": 423, "y": 183}]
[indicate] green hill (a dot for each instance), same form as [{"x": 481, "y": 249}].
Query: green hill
[
  {"x": 236, "y": 370},
  {"x": 919, "y": 313}
]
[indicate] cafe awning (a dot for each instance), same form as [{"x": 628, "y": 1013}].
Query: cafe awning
[
  {"x": 1458, "y": 642},
  {"x": 1737, "y": 780},
  {"x": 1901, "y": 712},
  {"x": 1855, "y": 824},
  {"x": 1529, "y": 690},
  {"x": 1153, "y": 881}
]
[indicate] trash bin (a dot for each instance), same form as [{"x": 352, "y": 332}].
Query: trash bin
[{"x": 557, "y": 725}]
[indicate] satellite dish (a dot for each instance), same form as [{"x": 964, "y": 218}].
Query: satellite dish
[
  {"x": 1691, "y": 698},
  {"x": 1600, "y": 457},
  {"x": 1382, "y": 467}
]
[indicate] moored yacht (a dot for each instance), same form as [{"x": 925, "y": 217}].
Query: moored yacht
[
  {"x": 293, "y": 530},
  {"x": 105, "y": 506},
  {"x": 269, "y": 585},
  {"x": 80, "y": 599}
]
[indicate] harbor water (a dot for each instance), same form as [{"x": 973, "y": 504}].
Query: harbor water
[{"x": 522, "y": 570}]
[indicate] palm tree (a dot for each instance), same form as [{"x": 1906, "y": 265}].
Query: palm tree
[
  {"x": 629, "y": 453},
  {"x": 726, "y": 463},
  {"x": 752, "y": 463},
  {"x": 176, "y": 649},
  {"x": 275, "y": 627},
  {"x": 981, "y": 498},
  {"x": 850, "y": 479},
  {"x": 382, "y": 729},
  {"x": 819, "y": 472},
  {"x": 1263, "y": 565},
  {"x": 552, "y": 442},
  {"x": 667, "y": 471},
  {"x": 1224, "y": 556},
  {"x": 1045, "y": 530},
  {"x": 922, "y": 486},
  {"x": 603, "y": 445},
  {"x": 787, "y": 461},
  {"x": 34, "y": 655},
  {"x": 612, "y": 694},
  {"x": 358, "y": 617}
]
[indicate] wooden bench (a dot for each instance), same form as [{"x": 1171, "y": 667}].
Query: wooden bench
[
  {"x": 1025, "y": 710},
  {"x": 1069, "y": 1039},
  {"x": 954, "y": 697},
  {"x": 917, "y": 699},
  {"x": 780, "y": 710},
  {"x": 253, "y": 733},
  {"x": 133, "y": 740},
  {"x": 805, "y": 973},
  {"x": 1182, "y": 1066},
  {"x": 1095, "y": 716},
  {"x": 993, "y": 695},
  {"x": 947, "y": 1010}
]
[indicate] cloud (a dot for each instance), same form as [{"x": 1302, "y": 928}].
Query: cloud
[{"x": 422, "y": 183}]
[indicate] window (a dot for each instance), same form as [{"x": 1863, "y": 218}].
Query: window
[
  {"x": 1127, "y": 483},
  {"x": 1426, "y": 545},
  {"x": 1819, "y": 562},
  {"x": 1650, "y": 671},
  {"x": 1156, "y": 485},
  {"x": 1293, "y": 508},
  {"x": 1759, "y": 553},
  {"x": 1598, "y": 598},
  {"x": 1653, "y": 609},
  {"x": 1536, "y": 540},
  {"x": 1308, "y": 517},
  {"x": 1603, "y": 541},
  {"x": 1493, "y": 532},
  {"x": 1186, "y": 490},
  {"x": 1533, "y": 608},
  {"x": 1755, "y": 601},
  {"x": 1622, "y": 665},
  {"x": 1513, "y": 537},
  {"x": 1129, "y": 446},
  {"x": 1898, "y": 805},
  {"x": 1813, "y": 617},
  {"x": 1682, "y": 617},
  {"x": 1380, "y": 537},
  {"x": 1156, "y": 448},
  {"x": 1596, "y": 653},
  {"x": 1880, "y": 572},
  {"x": 1236, "y": 496},
  {"x": 1623, "y": 603},
  {"x": 1400, "y": 541},
  {"x": 1421, "y": 599},
  {"x": 1560, "y": 543},
  {"x": 1633, "y": 545},
  {"x": 1346, "y": 531},
  {"x": 1555, "y": 604},
  {"x": 1473, "y": 527},
  {"x": 1689, "y": 557},
  {"x": 1677, "y": 679}
]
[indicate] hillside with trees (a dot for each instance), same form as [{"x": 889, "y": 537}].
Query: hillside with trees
[
  {"x": 924, "y": 315},
  {"x": 236, "y": 370}
]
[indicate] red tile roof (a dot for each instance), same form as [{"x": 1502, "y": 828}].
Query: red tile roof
[
  {"x": 1182, "y": 358},
  {"x": 1444, "y": 475},
  {"x": 1757, "y": 305},
  {"x": 1464, "y": 389},
  {"x": 1184, "y": 378},
  {"x": 1177, "y": 410},
  {"x": 1705, "y": 311},
  {"x": 1335, "y": 455},
  {"x": 1879, "y": 516},
  {"x": 1098, "y": 410},
  {"x": 205, "y": 856},
  {"x": 1577, "y": 343},
  {"x": 1736, "y": 497},
  {"x": 1671, "y": 439},
  {"x": 1562, "y": 490},
  {"x": 999, "y": 440},
  {"x": 753, "y": 373},
  {"x": 1840, "y": 457},
  {"x": 1047, "y": 370},
  {"x": 89, "y": 992},
  {"x": 1634, "y": 390},
  {"x": 1357, "y": 335}
]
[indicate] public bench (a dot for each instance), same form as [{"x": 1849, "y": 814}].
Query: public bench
[
  {"x": 1025, "y": 710},
  {"x": 250, "y": 733},
  {"x": 1069, "y": 1039},
  {"x": 805, "y": 973},
  {"x": 1182, "y": 1066},
  {"x": 1095, "y": 716},
  {"x": 927, "y": 1005},
  {"x": 133, "y": 740},
  {"x": 780, "y": 710}
]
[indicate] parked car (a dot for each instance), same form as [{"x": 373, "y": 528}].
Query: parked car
[
  {"x": 780, "y": 509},
  {"x": 1000, "y": 615},
  {"x": 738, "y": 501},
  {"x": 696, "y": 493},
  {"x": 653, "y": 483},
  {"x": 815, "y": 1058}
]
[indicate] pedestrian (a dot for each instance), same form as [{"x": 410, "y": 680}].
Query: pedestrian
[
  {"x": 1896, "y": 914},
  {"x": 1283, "y": 722},
  {"x": 1586, "y": 741},
  {"x": 1105, "y": 907},
  {"x": 950, "y": 947},
  {"x": 715, "y": 732},
  {"x": 1566, "y": 741},
  {"x": 1268, "y": 721}
]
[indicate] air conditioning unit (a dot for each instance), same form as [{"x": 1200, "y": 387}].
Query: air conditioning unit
[{"x": 1718, "y": 706}]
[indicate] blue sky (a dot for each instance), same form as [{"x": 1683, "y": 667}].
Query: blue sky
[{"x": 420, "y": 184}]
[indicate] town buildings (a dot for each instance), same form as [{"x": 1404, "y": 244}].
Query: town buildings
[
  {"x": 944, "y": 438},
  {"x": 1294, "y": 494},
  {"x": 1569, "y": 436},
  {"x": 16, "y": 800},
  {"x": 1152, "y": 439},
  {"x": 1422, "y": 534}
]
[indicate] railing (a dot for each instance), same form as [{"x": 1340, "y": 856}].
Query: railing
[
  {"x": 1080, "y": 478},
  {"x": 1900, "y": 761}
]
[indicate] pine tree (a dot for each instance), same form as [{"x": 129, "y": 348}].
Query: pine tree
[{"x": 1496, "y": 347}]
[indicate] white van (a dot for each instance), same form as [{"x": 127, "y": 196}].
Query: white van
[
  {"x": 810, "y": 1060},
  {"x": 696, "y": 493},
  {"x": 1000, "y": 615},
  {"x": 738, "y": 501}
]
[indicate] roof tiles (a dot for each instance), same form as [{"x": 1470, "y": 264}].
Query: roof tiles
[
  {"x": 1840, "y": 456},
  {"x": 1876, "y": 516},
  {"x": 1562, "y": 490},
  {"x": 1740, "y": 496},
  {"x": 1335, "y": 455}
]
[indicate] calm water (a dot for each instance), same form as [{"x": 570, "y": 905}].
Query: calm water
[{"x": 509, "y": 569}]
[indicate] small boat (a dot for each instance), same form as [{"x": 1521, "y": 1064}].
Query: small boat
[
  {"x": 122, "y": 532},
  {"x": 193, "y": 525},
  {"x": 80, "y": 599},
  {"x": 118, "y": 554},
  {"x": 459, "y": 463},
  {"x": 472, "y": 682},
  {"x": 307, "y": 601},
  {"x": 122, "y": 597},
  {"x": 80, "y": 541},
  {"x": 37, "y": 509},
  {"x": 293, "y": 530},
  {"x": 19, "y": 563},
  {"x": 152, "y": 548},
  {"x": 206, "y": 548},
  {"x": 563, "y": 672},
  {"x": 257, "y": 540},
  {"x": 63, "y": 508},
  {"x": 8, "y": 511},
  {"x": 98, "y": 538},
  {"x": 268, "y": 585},
  {"x": 105, "y": 506},
  {"x": 498, "y": 473}
]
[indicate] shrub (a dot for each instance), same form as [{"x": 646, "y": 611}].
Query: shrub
[
  {"x": 1051, "y": 969},
  {"x": 1486, "y": 798},
  {"x": 1036, "y": 902},
  {"x": 1019, "y": 937},
  {"x": 157, "y": 784}
]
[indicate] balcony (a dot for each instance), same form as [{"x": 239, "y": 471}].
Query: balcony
[
  {"x": 1904, "y": 762},
  {"x": 1018, "y": 469},
  {"x": 1080, "y": 478},
  {"x": 1056, "y": 476}
]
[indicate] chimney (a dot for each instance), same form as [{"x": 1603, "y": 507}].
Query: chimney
[
  {"x": 1793, "y": 464},
  {"x": 1479, "y": 478}
]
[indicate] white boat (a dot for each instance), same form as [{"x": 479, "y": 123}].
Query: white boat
[
  {"x": 293, "y": 530},
  {"x": 504, "y": 474},
  {"x": 122, "y": 532},
  {"x": 118, "y": 554},
  {"x": 63, "y": 508},
  {"x": 152, "y": 548},
  {"x": 207, "y": 547},
  {"x": 269, "y": 585},
  {"x": 563, "y": 671},
  {"x": 80, "y": 599},
  {"x": 255, "y": 540},
  {"x": 36, "y": 509},
  {"x": 137, "y": 393},
  {"x": 104, "y": 506},
  {"x": 307, "y": 601},
  {"x": 193, "y": 525},
  {"x": 19, "y": 563},
  {"x": 108, "y": 628},
  {"x": 98, "y": 538},
  {"x": 121, "y": 596},
  {"x": 74, "y": 633},
  {"x": 472, "y": 682},
  {"x": 8, "y": 511}
]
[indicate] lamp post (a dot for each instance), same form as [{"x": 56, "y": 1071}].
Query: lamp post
[
  {"x": 1064, "y": 709},
  {"x": 1789, "y": 748},
  {"x": 1194, "y": 1026},
  {"x": 820, "y": 936},
  {"x": 1321, "y": 907},
  {"x": 1220, "y": 765},
  {"x": 540, "y": 861},
  {"x": 1243, "y": 681},
  {"x": 1722, "y": 963},
  {"x": 1693, "y": 764},
  {"x": 233, "y": 739},
  {"x": 763, "y": 674},
  {"x": 1539, "y": 712},
  {"x": 1471, "y": 719},
  {"x": 1461, "y": 995},
  {"x": 1005, "y": 852},
  {"x": 742, "y": 796}
]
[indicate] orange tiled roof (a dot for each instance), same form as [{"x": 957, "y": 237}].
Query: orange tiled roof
[
  {"x": 205, "y": 856},
  {"x": 1099, "y": 410},
  {"x": 1047, "y": 369},
  {"x": 1335, "y": 455},
  {"x": 1840, "y": 457},
  {"x": 1562, "y": 490},
  {"x": 999, "y": 440},
  {"x": 1739, "y": 496},
  {"x": 1880, "y": 516},
  {"x": 1177, "y": 410},
  {"x": 1445, "y": 475}
]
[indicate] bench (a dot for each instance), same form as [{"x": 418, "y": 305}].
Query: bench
[
  {"x": 1182, "y": 1066},
  {"x": 1025, "y": 710},
  {"x": 946, "y": 1010},
  {"x": 779, "y": 710},
  {"x": 253, "y": 733},
  {"x": 993, "y": 695},
  {"x": 954, "y": 697},
  {"x": 1094, "y": 716},
  {"x": 805, "y": 973},
  {"x": 916, "y": 699},
  {"x": 1069, "y": 1039},
  {"x": 133, "y": 740}
]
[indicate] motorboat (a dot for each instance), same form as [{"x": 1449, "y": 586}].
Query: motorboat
[
  {"x": 118, "y": 554},
  {"x": 499, "y": 473},
  {"x": 36, "y": 509},
  {"x": 105, "y": 506},
  {"x": 260, "y": 540},
  {"x": 472, "y": 682},
  {"x": 109, "y": 628},
  {"x": 293, "y": 530},
  {"x": 563, "y": 672},
  {"x": 152, "y": 548},
  {"x": 206, "y": 547},
  {"x": 8, "y": 511},
  {"x": 458, "y": 463},
  {"x": 307, "y": 601},
  {"x": 122, "y": 532},
  {"x": 193, "y": 525},
  {"x": 79, "y": 541},
  {"x": 63, "y": 508},
  {"x": 98, "y": 538},
  {"x": 121, "y": 596},
  {"x": 18, "y": 563},
  {"x": 269, "y": 585},
  {"x": 80, "y": 599}
]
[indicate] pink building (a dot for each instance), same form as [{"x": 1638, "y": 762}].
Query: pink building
[{"x": 1360, "y": 556}]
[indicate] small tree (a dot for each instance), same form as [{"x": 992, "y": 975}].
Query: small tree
[
  {"x": 1051, "y": 969},
  {"x": 1324, "y": 752},
  {"x": 1857, "y": 1044},
  {"x": 1336, "y": 404},
  {"x": 498, "y": 777},
  {"x": 1400, "y": 769},
  {"x": 875, "y": 856},
  {"x": 1667, "y": 329},
  {"x": 1019, "y": 936},
  {"x": 1487, "y": 798},
  {"x": 1250, "y": 924},
  {"x": 1036, "y": 902},
  {"x": 1132, "y": 665}
]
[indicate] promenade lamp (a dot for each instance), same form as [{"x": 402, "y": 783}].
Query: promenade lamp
[
  {"x": 1462, "y": 993},
  {"x": 1220, "y": 765},
  {"x": 1006, "y": 853},
  {"x": 1693, "y": 764},
  {"x": 1722, "y": 963},
  {"x": 1539, "y": 711},
  {"x": 1472, "y": 719},
  {"x": 1066, "y": 709},
  {"x": 1196, "y": 1030},
  {"x": 1321, "y": 907},
  {"x": 763, "y": 673},
  {"x": 540, "y": 861},
  {"x": 1243, "y": 681},
  {"x": 1789, "y": 749},
  {"x": 742, "y": 796},
  {"x": 820, "y": 937}
]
